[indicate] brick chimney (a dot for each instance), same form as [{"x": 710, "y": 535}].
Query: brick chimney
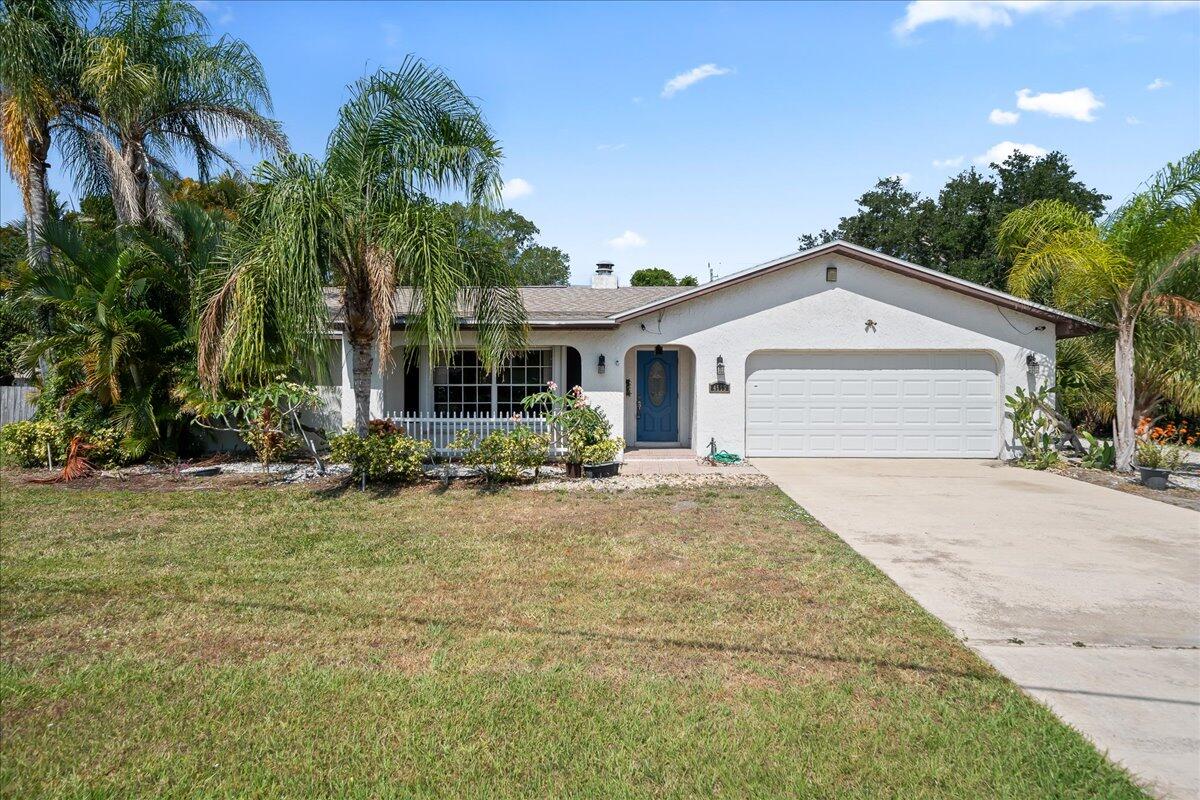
[{"x": 604, "y": 277}]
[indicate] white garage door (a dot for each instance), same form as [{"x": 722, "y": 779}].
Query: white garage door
[{"x": 877, "y": 405}]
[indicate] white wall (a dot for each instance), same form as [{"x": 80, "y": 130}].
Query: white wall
[{"x": 796, "y": 309}]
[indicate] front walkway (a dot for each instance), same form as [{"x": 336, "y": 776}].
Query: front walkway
[
  {"x": 675, "y": 461},
  {"x": 1086, "y": 597}
]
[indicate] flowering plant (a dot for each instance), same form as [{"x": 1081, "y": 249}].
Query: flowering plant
[
  {"x": 1161, "y": 447},
  {"x": 582, "y": 426}
]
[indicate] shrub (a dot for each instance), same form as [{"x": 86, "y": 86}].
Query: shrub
[
  {"x": 1156, "y": 455},
  {"x": 502, "y": 455},
  {"x": 1161, "y": 446},
  {"x": 1099, "y": 455},
  {"x": 267, "y": 417},
  {"x": 584, "y": 428},
  {"x": 24, "y": 443},
  {"x": 1032, "y": 427},
  {"x": 387, "y": 454},
  {"x": 602, "y": 451}
]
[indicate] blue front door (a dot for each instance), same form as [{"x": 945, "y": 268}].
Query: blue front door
[{"x": 658, "y": 396}]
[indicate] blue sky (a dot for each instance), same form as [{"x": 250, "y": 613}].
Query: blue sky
[{"x": 779, "y": 116}]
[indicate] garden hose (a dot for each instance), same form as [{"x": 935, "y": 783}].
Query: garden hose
[{"x": 724, "y": 457}]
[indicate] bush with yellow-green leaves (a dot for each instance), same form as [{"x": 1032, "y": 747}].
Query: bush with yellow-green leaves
[{"x": 32, "y": 443}]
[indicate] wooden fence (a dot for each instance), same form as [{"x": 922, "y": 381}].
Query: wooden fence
[
  {"x": 14, "y": 405},
  {"x": 440, "y": 429}
]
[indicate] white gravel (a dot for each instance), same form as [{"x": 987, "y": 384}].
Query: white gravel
[{"x": 623, "y": 483}]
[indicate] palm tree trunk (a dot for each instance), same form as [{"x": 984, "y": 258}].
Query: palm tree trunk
[
  {"x": 37, "y": 213},
  {"x": 37, "y": 197},
  {"x": 360, "y": 382},
  {"x": 1123, "y": 423}
]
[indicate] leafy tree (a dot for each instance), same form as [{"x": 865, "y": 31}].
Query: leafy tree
[
  {"x": 156, "y": 84},
  {"x": 364, "y": 219},
  {"x": 956, "y": 233},
  {"x": 1127, "y": 269},
  {"x": 511, "y": 238},
  {"x": 657, "y": 276},
  {"x": 539, "y": 265}
]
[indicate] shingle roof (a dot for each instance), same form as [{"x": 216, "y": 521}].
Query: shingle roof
[
  {"x": 551, "y": 304},
  {"x": 584, "y": 306}
]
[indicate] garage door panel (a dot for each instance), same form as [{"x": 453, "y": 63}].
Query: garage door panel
[{"x": 873, "y": 405}]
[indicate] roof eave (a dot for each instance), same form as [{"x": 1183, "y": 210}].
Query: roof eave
[{"x": 1066, "y": 325}]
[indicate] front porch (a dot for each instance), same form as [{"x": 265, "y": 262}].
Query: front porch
[{"x": 646, "y": 392}]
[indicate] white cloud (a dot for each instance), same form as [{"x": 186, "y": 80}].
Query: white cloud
[
  {"x": 693, "y": 76},
  {"x": 627, "y": 239},
  {"x": 516, "y": 187},
  {"x": 391, "y": 34},
  {"x": 986, "y": 14},
  {"x": 222, "y": 11},
  {"x": 1156, "y": 84},
  {"x": 943, "y": 163},
  {"x": 1076, "y": 104},
  {"x": 998, "y": 152},
  {"x": 610, "y": 148},
  {"x": 1132, "y": 121},
  {"x": 1001, "y": 117}
]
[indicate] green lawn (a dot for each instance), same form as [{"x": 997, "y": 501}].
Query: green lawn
[{"x": 262, "y": 643}]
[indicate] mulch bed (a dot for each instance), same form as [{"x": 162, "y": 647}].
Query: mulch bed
[{"x": 1175, "y": 495}]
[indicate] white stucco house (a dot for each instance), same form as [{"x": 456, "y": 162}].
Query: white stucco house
[{"x": 834, "y": 351}]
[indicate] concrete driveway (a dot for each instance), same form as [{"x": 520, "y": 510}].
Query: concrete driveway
[{"x": 1002, "y": 554}]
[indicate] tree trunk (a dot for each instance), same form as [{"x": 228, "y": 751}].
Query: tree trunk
[
  {"x": 360, "y": 382},
  {"x": 1124, "y": 423},
  {"x": 37, "y": 213},
  {"x": 37, "y": 198}
]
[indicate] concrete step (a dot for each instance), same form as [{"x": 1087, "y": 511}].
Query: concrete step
[{"x": 659, "y": 454}]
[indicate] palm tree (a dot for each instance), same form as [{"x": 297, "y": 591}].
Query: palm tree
[
  {"x": 115, "y": 332},
  {"x": 156, "y": 85},
  {"x": 40, "y": 51},
  {"x": 1120, "y": 271},
  {"x": 364, "y": 219}
]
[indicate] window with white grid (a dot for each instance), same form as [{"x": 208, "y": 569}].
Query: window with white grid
[{"x": 465, "y": 387}]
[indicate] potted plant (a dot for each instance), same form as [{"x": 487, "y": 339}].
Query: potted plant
[
  {"x": 586, "y": 432},
  {"x": 1157, "y": 451}
]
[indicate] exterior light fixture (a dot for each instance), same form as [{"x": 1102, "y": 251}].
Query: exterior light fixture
[
  {"x": 720, "y": 385},
  {"x": 600, "y": 364},
  {"x": 658, "y": 349},
  {"x": 870, "y": 326},
  {"x": 831, "y": 274},
  {"x": 1031, "y": 361}
]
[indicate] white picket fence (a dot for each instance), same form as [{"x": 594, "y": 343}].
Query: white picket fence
[
  {"x": 441, "y": 429},
  {"x": 14, "y": 406}
]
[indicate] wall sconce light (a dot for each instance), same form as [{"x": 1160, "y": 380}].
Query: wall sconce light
[
  {"x": 600, "y": 364},
  {"x": 1031, "y": 361},
  {"x": 870, "y": 326},
  {"x": 719, "y": 386},
  {"x": 831, "y": 274},
  {"x": 658, "y": 349}
]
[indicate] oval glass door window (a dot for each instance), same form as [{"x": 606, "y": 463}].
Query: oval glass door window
[{"x": 656, "y": 380}]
